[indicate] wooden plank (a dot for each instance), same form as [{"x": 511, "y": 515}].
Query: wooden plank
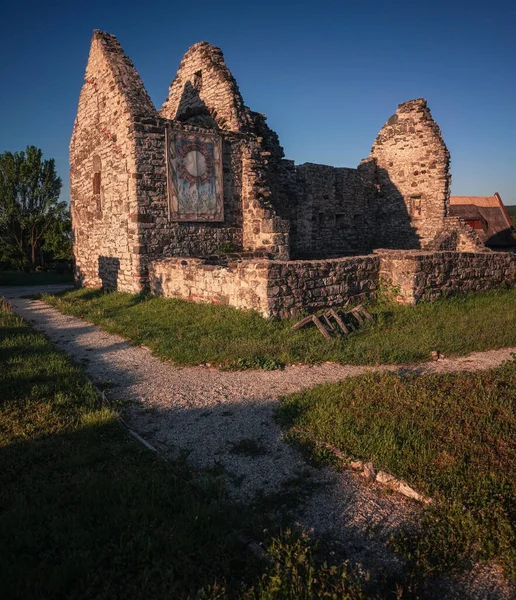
[
  {"x": 338, "y": 320},
  {"x": 328, "y": 322},
  {"x": 365, "y": 312},
  {"x": 356, "y": 313},
  {"x": 301, "y": 323},
  {"x": 321, "y": 327}
]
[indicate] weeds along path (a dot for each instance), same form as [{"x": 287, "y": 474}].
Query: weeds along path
[{"x": 223, "y": 421}]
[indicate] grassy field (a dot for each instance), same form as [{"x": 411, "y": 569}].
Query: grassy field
[
  {"x": 452, "y": 437},
  {"x": 86, "y": 512},
  {"x": 188, "y": 333},
  {"x": 35, "y": 278}
]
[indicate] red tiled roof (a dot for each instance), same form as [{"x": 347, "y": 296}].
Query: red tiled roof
[{"x": 492, "y": 210}]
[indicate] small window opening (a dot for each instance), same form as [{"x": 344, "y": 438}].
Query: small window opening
[
  {"x": 197, "y": 80},
  {"x": 416, "y": 207},
  {"x": 97, "y": 181},
  {"x": 340, "y": 221}
]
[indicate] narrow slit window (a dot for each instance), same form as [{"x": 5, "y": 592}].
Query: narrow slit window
[
  {"x": 197, "y": 80},
  {"x": 96, "y": 183},
  {"x": 97, "y": 180}
]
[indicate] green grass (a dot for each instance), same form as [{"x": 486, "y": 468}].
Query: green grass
[
  {"x": 188, "y": 333},
  {"x": 453, "y": 437},
  {"x": 512, "y": 213},
  {"x": 86, "y": 512},
  {"x": 34, "y": 278}
]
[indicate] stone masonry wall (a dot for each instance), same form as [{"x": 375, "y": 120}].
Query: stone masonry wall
[
  {"x": 397, "y": 198},
  {"x": 332, "y": 213},
  {"x": 205, "y": 88},
  {"x": 273, "y": 288},
  {"x": 415, "y": 276},
  {"x": 241, "y": 284},
  {"x": 286, "y": 288},
  {"x": 311, "y": 285},
  {"x": 118, "y": 146},
  {"x": 205, "y": 93},
  {"x": 103, "y": 168},
  {"x": 159, "y": 236},
  {"x": 457, "y": 235},
  {"x": 412, "y": 174},
  {"x": 250, "y": 221}
]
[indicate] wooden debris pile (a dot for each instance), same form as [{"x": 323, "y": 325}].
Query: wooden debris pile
[{"x": 331, "y": 323}]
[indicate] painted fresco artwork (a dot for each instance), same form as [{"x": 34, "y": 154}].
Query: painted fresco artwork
[{"x": 194, "y": 174}]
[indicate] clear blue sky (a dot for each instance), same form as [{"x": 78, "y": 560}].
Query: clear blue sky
[{"x": 327, "y": 74}]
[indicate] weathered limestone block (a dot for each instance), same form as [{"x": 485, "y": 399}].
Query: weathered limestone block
[{"x": 242, "y": 284}]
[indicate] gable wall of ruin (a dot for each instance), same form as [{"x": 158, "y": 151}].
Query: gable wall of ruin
[
  {"x": 103, "y": 168},
  {"x": 413, "y": 177}
]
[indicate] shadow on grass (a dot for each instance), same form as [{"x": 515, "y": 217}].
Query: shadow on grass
[
  {"x": 84, "y": 513},
  {"x": 87, "y": 513}
]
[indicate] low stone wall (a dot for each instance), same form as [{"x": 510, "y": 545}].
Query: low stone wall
[
  {"x": 242, "y": 284},
  {"x": 413, "y": 276},
  {"x": 312, "y": 285},
  {"x": 273, "y": 288},
  {"x": 285, "y": 288}
]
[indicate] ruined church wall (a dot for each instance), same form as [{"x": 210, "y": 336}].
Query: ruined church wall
[
  {"x": 204, "y": 93},
  {"x": 102, "y": 156},
  {"x": 412, "y": 174},
  {"x": 273, "y": 288},
  {"x": 311, "y": 285},
  {"x": 414, "y": 276},
  {"x": 249, "y": 223},
  {"x": 331, "y": 216},
  {"x": 241, "y": 284},
  {"x": 161, "y": 236},
  {"x": 205, "y": 87},
  {"x": 286, "y": 288}
]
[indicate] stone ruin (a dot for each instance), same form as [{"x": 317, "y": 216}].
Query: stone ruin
[{"x": 197, "y": 201}]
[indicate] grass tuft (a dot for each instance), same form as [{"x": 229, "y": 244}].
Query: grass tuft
[
  {"x": 86, "y": 512},
  {"x": 449, "y": 436},
  {"x": 189, "y": 334}
]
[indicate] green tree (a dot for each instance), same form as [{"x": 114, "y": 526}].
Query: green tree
[
  {"x": 31, "y": 214},
  {"x": 58, "y": 240}
]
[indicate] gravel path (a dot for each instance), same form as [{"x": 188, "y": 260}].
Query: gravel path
[{"x": 224, "y": 420}]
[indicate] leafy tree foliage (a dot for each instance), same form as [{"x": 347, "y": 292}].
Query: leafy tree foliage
[{"x": 34, "y": 223}]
